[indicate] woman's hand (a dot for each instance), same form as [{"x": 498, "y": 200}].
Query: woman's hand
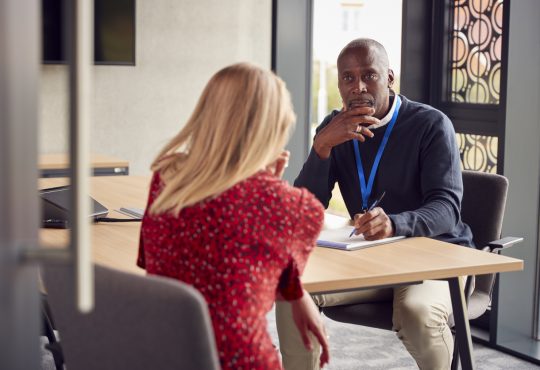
[
  {"x": 278, "y": 166},
  {"x": 308, "y": 319}
]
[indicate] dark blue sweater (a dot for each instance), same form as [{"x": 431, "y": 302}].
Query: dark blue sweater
[{"x": 419, "y": 171}]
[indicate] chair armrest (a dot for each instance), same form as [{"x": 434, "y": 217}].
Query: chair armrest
[{"x": 497, "y": 245}]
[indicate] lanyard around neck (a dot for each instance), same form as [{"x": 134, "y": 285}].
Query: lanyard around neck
[{"x": 367, "y": 188}]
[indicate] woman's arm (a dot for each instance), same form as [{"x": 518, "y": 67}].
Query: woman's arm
[{"x": 307, "y": 318}]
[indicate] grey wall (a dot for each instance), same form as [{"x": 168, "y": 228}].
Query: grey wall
[
  {"x": 293, "y": 65},
  {"x": 179, "y": 45},
  {"x": 522, "y": 167}
]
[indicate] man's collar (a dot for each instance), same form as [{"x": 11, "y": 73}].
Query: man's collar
[{"x": 390, "y": 113}]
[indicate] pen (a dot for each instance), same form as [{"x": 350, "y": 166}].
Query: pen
[{"x": 373, "y": 205}]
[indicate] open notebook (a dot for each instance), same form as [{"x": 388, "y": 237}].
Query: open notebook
[{"x": 339, "y": 239}]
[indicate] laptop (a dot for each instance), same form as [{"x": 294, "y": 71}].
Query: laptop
[{"x": 56, "y": 208}]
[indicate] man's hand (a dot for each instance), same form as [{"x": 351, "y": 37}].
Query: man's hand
[
  {"x": 308, "y": 319},
  {"x": 345, "y": 126},
  {"x": 374, "y": 224}
]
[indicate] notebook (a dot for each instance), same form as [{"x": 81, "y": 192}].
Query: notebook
[{"x": 339, "y": 239}]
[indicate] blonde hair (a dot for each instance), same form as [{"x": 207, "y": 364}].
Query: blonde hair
[{"x": 240, "y": 124}]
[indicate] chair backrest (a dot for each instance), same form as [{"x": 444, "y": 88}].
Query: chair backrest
[
  {"x": 482, "y": 207},
  {"x": 139, "y": 322}
]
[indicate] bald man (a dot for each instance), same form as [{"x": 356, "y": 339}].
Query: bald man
[{"x": 382, "y": 142}]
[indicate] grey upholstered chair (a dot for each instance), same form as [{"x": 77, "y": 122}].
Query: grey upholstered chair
[
  {"x": 482, "y": 208},
  {"x": 139, "y": 322}
]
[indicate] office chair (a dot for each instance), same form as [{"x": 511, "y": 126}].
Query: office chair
[
  {"x": 482, "y": 208},
  {"x": 138, "y": 323},
  {"x": 48, "y": 330}
]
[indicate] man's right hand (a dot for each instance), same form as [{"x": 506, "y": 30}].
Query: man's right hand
[{"x": 345, "y": 126}]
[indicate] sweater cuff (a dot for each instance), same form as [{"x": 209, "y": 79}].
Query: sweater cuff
[
  {"x": 314, "y": 169},
  {"x": 400, "y": 225},
  {"x": 317, "y": 162}
]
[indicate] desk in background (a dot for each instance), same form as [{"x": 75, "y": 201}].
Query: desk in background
[
  {"x": 406, "y": 261},
  {"x": 57, "y": 165}
]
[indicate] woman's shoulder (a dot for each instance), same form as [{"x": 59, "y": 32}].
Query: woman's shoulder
[
  {"x": 280, "y": 193},
  {"x": 156, "y": 183},
  {"x": 267, "y": 184}
]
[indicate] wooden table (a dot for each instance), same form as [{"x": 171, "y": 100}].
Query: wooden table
[
  {"x": 328, "y": 270},
  {"x": 114, "y": 244},
  {"x": 57, "y": 165}
]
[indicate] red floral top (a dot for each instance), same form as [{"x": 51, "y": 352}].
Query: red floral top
[{"x": 237, "y": 249}]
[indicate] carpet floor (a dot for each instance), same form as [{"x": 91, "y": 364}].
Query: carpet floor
[{"x": 355, "y": 347}]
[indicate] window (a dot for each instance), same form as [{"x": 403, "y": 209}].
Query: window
[
  {"x": 472, "y": 60},
  {"x": 476, "y": 42},
  {"x": 359, "y": 18}
]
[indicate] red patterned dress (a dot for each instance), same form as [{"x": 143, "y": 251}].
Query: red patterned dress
[{"x": 237, "y": 249}]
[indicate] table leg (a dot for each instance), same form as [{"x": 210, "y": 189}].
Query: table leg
[{"x": 463, "y": 332}]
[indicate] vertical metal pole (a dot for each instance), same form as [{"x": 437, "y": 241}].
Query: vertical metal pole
[
  {"x": 19, "y": 213},
  {"x": 80, "y": 45}
]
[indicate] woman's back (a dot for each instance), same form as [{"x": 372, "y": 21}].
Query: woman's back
[{"x": 234, "y": 249}]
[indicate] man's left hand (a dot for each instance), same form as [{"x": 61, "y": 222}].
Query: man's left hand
[{"x": 374, "y": 224}]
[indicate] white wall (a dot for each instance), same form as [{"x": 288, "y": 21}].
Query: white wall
[{"x": 179, "y": 45}]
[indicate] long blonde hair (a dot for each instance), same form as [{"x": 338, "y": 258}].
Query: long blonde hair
[{"x": 240, "y": 124}]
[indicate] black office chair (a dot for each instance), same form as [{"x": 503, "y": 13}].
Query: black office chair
[
  {"x": 138, "y": 323},
  {"x": 482, "y": 208}
]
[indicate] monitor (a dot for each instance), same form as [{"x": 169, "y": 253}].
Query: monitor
[{"x": 114, "y": 32}]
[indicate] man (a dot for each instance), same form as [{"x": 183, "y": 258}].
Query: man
[{"x": 408, "y": 151}]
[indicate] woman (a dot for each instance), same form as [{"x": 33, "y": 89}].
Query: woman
[{"x": 219, "y": 217}]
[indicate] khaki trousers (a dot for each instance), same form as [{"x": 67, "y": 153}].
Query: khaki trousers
[{"x": 420, "y": 316}]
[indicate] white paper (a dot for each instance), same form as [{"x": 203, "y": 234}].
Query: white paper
[{"x": 339, "y": 239}]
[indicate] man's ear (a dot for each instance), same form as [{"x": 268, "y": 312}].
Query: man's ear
[{"x": 390, "y": 78}]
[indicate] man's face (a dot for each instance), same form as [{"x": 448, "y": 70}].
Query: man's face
[{"x": 364, "y": 80}]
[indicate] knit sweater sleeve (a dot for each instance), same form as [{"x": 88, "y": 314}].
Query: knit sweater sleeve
[{"x": 441, "y": 184}]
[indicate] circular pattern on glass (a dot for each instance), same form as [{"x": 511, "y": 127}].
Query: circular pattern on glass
[
  {"x": 497, "y": 16},
  {"x": 460, "y": 138},
  {"x": 461, "y": 17},
  {"x": 495, "y": 82},
  {"x": 459, "y": 79},
  {"x": 460, "y": 48},
  {"x": 480, "y": 32},
  {"x": 492, "y": 146},
  {"x": 496, "y": 48},
  {"x": 478, "y": 7},
  {"x": 476, "y": 53},
  {"x": 475, "y": 155},
  {"x": 478, "y": 93},
  {"x": 478, "y": 152},
  {"x": 478, "y": 64}
]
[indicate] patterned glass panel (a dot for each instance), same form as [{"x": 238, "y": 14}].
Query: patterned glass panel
[
  {"x": 475, "y": 50},
  {"x": 478, "y": 153}
]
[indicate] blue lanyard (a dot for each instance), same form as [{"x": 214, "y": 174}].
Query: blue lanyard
[{"x": 366, "y": 189}]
